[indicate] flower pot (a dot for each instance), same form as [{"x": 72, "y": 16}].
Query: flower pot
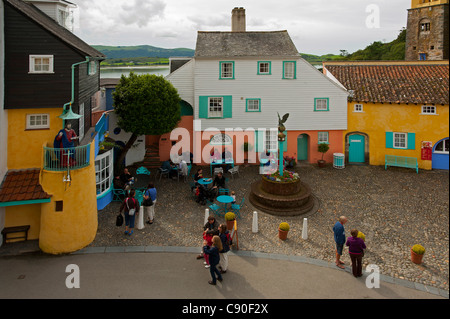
[
  {"x": 230, "y": 225},
  {"x": 416, "y": 258},
  {"x": 282, "y": 234},
  {"x": 321, "y": 163}
]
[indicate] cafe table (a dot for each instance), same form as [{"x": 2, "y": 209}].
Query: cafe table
[{"x": 224, "y": 200}]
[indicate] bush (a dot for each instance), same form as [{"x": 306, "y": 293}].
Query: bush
[
  {"x": 230, "y": 216},
  {"x": 323, "y": 148},
  {"x": 418, "y": 249},
  {"x": 284, "y": 226}
]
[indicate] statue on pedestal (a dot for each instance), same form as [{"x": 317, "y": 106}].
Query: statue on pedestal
[{"x": 65, "y": 141}]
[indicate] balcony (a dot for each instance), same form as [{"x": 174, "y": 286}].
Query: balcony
[{"x": 61, "y": 159}]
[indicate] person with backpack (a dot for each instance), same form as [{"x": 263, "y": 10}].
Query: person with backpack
[
  {"x": 131, "y": 207},
  {"x": 225, "y": 237},
  {"x": 150, "y": 202}
]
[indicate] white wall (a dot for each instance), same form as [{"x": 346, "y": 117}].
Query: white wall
[
  {"x": 3, "y": 116},
  {"x": 136, "y": 153},
  {"x": 277, "y": 95}
]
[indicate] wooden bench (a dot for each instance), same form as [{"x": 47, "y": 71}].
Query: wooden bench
[
  {"x": 401, "y": 161},
  {"x": 16, "y": 229}
]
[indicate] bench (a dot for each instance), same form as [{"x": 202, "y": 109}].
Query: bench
[
  {"x": 15, "y": 229},
  {"x": 401, "y": 161}
]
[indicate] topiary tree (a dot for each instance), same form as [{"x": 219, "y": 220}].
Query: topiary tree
[
  {"x": 323, "y": 148},
  {"x": 145, "y": 105}
]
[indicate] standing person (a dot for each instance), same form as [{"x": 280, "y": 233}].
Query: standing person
[
  {"x": 339, "y": 238},
  {"x": 226, "y": 240},
  {"x": 210, "y": 229},
  {"x": 356, "y": 250},
  {"x": 214, "y": 258},
  {"x": 131, "y": 207},
  {"x": 150, "y": 210}
]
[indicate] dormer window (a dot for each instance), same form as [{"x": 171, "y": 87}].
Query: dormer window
[{"x": 41, "y": 64}]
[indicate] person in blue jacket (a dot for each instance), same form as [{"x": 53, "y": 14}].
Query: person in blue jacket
[
  {"x": 214, "y": 258},
  {"x": 339, "y": 238}
]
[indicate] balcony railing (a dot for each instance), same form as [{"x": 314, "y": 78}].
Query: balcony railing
[{"x": 60, "y": 159}]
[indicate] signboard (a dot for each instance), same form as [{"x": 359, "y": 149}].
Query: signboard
[{"x": 427, "y": 151}]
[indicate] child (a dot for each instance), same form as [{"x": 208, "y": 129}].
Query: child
[
  {"x": 233, "y": 194},
  {"x": 214, "y": 258}
]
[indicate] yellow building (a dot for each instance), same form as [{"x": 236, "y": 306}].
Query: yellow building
[
  {"x": 49, "y": 190},
  {"x": 396, "y": 108}
]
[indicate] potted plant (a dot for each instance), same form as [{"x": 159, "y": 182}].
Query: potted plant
[
  {"x": 230, "y": 218},
  {"x": 283, "y": 230},
  {"x": 417, "y": 252},
  {"x": 323, "y": 148}
]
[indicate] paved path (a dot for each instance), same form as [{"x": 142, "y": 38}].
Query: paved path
[{"x": 174, "y": 273}]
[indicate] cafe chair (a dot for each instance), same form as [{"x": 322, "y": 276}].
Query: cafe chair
[
  {"x": 237, "y": 208},
  {"x": 234, "y": 170}
]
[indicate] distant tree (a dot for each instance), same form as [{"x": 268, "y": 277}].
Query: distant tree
[{"x": 145, "y": 105}]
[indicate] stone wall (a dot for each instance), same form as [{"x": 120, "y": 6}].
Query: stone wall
[{"x": 434, "y": 43}]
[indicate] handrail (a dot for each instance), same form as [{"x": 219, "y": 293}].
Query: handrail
[{"x": 59, "y": 159}]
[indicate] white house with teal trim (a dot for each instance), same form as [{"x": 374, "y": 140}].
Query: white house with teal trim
[{"x": 243, "y": 79}]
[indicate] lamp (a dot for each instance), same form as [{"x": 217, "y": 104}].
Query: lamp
[{"x": 69, "y": 114}]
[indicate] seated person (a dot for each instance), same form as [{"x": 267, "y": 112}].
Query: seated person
[
  {"x": 219, "y": 182},
  {"x": 215, "y": 155},
  {"x": 171, "y": 168},
  {"x": 198, "y": 175},
  {"x": 227, "y": 157},
  {"x": 127, "y": 179}
]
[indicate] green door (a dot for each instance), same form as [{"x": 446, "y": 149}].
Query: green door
[
  {"x": 302, "y": 147},
  {"x": 356, "y": 150}
]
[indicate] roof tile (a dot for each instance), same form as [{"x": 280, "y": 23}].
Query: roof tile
[{"x": 22, "y": 185}]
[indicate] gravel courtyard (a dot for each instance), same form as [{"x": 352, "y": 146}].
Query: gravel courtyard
[{"x": 394, "y": 208}]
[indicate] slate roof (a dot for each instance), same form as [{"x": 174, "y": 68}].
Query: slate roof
[
  {"x": 53, "y": 27},
  {"x": 417, "y": 84},
  {"x": 22, "y": 185},
  {"x": 245, "y": 44}
]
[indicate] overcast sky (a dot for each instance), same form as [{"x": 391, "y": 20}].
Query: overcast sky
[{"x": 316, "y": 26}]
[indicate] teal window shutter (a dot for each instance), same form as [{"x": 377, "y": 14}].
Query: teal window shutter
[
  {"x": 227, "y": 107},
  {"x": 411, "y": 141},
  {"x": 389, "y": 140},
  {"x": 259, "y": 141},
  {"x": 203, "y": 107}
]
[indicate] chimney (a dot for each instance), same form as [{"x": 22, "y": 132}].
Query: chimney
[{"x": 238, "y": 20}]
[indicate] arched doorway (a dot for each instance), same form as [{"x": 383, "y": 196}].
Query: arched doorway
[
  {"x": 441, "y": 154},
  {"x": 302, "y": 147},
  {"x": 356, "y": 147}
]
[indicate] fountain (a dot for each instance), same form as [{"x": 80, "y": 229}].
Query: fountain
[{"x": 282, "y": 193}]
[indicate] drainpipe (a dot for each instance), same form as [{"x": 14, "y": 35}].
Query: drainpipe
[{"x": 73, "y": 88}]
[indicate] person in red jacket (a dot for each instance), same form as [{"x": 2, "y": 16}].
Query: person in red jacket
[{"x": 356, "y": 248}]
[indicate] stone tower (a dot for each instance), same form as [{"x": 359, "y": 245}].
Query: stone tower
[{"x": 428, "y": 30}]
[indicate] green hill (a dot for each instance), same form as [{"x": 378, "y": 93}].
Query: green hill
[{"x": 143, "y": 51}]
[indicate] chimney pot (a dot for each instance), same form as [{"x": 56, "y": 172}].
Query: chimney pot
[{"x": 238, "y": 20}]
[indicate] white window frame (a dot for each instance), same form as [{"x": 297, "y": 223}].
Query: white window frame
[
  {"x": 34, "y": 126},
  {"x": 265, "y": 65},
  {"x": 253, "y": 105},
  {"x": 397, "y": 137},
  {"x": 444, "y": 142},
  {"x": 429, "y": 110},
  {"x": 289, "y": 70},
  {"x": 358, "y": 108},
  {"x": 323, "y": 138},
  {"x": 271, "y": 140},
  {"x": 226, "y": 70},
  {"x": 215, "y": 102},
  {"x": 104, "y": 172},
  {"x": 81, "y": 122},
  {"x": 33, "y": 64},
  {"x": 92, "y": 68}
]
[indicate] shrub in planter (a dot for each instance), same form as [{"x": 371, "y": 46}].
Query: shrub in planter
[
  {"x": 230, "y": 218},
  {"x": 323, "y": 148},
  {"x": 283, "y": 230},
  {"x": 417, "y": 252}
]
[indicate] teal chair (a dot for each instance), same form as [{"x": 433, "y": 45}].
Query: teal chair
[
  {"x": 142, "y": 171},
  {"x": 214, "y": 208},
  {"x": 237, "y": 208},
  {"x": 119, "y": 195}
]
